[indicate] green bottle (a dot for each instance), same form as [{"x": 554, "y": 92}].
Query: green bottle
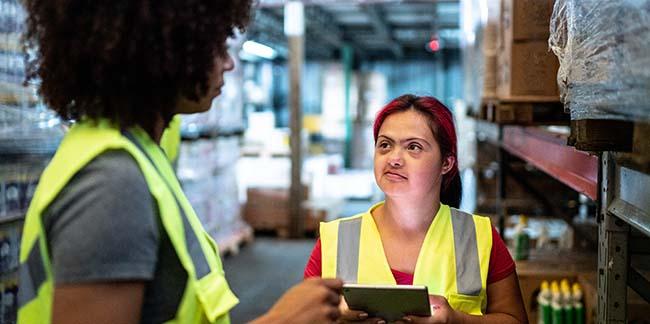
[
  {"x": 567, "y": 302},
  {"x": 544, "y": 304},
  {"x": 522, "y": 240},
  {"x": 579, "y": 312},
  {"x": 557, "y": 311}
]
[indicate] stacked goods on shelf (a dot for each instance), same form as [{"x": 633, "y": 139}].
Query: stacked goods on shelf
[
  {"x": 268, "y": 209},
  {"x": 12, "y": 63},
  {"x": 29, "y": 135},
  {"x": 207, "y": 169},
  {"x": 489, "y": 49},
  {"x": 526, "y": 66},
  {"x": 28, "y": 139},
  {"x": 545, "y": 265},
  {"x": 208, "y": 158},
  {"x": 9, "y": 254},
  {"x": 603, "y": 50},
  {"x": 604, "y": 73}
]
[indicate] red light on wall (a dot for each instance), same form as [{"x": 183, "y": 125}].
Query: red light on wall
[{"x": 434, "y": 45}]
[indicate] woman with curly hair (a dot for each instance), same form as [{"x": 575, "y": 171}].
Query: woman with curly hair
[{"x": 110, "y": 237}]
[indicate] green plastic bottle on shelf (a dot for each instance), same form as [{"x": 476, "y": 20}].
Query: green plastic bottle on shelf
[
  {"x": 522, "y": 240},
  {"x": 544, "y": 304},
  {"x": 557, "y": 311},
  {"x": 579, "y": 312},
  {"x": 567, "y": 301}
]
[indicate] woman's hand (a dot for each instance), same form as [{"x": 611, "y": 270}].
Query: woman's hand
[
  {"x": 441, "y": 312},
  {"x": 354, "y": 316},
  {"x": 314, "y": 300}
]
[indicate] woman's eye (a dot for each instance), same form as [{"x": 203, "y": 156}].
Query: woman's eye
[
  {"x": 383, "y": 145},
  {"x": 414, "y": 147}
]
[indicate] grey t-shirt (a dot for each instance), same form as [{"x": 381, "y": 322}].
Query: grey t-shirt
[{"x": 104, "y": 227}]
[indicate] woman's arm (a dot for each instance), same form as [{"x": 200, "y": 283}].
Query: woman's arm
[
  {"x": 119, "y": 302},
  {"x": 504, "y": 306}
]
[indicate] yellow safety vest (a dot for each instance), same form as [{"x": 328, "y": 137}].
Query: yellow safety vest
[
  {"x": 207, "y": 297},
  {"x": 453, "y": 261},
  {"x": 170, "y": 141}
]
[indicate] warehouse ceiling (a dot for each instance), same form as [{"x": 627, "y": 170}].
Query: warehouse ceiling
[{"x": 375, "y": 30}]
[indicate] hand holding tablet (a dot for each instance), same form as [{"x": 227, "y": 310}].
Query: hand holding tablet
[{"x": 389, "y": 302}]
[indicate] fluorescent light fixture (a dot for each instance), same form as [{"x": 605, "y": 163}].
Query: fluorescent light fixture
[
  {"x": 294, "y": 18},
  {"x": 261, "y": 50}
]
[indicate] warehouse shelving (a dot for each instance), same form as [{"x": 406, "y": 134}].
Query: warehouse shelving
[
  {"x": 624, "y": 204},
  {"x": 548, "y": 152},
  {"x": 620, "y": 189}
]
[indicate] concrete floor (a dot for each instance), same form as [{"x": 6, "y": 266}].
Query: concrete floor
[{"x": 263, "y": 271}]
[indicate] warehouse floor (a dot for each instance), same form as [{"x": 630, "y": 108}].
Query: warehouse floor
[{"x": 263, "y": 271}]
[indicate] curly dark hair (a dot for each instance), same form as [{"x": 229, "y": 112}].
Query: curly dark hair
[{"x": 127, "y": 60}]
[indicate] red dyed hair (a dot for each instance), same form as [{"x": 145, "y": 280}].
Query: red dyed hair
[{"x": 441, "y": 123}]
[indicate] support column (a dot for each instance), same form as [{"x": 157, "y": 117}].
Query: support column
[
  {"x": 613, "y": 259},
  {"x": 347, "y": 56},
  {"x": 294, "y": 29}
]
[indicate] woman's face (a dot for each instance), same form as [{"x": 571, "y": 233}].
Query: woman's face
[
  {"x": 407, "y": 156},
  {"x": 222, "y": 64}
]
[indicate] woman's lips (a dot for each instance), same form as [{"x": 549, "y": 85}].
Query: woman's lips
[{"x": 394, "y": 176}]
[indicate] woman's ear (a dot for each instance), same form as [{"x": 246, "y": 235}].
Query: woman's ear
[{"x": 448, "y": 163}]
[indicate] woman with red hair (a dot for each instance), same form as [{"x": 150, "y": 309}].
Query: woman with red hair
[{"x": 417, "y": 236}]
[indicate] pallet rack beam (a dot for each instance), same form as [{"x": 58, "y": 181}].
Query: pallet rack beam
[{"x": 549, "y": 153}]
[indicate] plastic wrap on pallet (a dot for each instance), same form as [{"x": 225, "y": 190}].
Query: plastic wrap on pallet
[{"x": 603, "y": 47}]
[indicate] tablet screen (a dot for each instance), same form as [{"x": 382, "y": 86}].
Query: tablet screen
[{"x": 390, "y": 302}]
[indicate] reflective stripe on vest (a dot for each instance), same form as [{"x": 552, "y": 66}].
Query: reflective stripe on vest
[
  {"x": 31, "y": 275},
  {"x": 347, "y": 259},
  {"x": 207, "y": 297},
  {"x": 453, "y": 260},
  {"x": 201, "y": 266},
  {"x": 468, "y": 271}
]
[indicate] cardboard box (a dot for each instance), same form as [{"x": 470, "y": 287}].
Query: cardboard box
[
  {"x": 525, "y": 20},
  {"x": 527, "y": 69},
  {"x": 490, "y": 75},
  {"x": 549, "y": 266},
  {"x": 268, "y": 209}
]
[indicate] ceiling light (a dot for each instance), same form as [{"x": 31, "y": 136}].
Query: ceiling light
[{"x": 258, "y": 49}]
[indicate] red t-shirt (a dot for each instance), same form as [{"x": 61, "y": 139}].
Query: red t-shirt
[{"x": 501, "y": 263}]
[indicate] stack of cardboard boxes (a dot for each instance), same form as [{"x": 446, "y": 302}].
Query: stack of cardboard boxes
[{"x": 526, "y": 67}]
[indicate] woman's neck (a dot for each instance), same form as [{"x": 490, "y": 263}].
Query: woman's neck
[
  {"x": 409, "y": 215},
  {"x": 158, "y": 129}
]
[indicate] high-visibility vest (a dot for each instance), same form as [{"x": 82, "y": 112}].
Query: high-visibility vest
[
  {"x": 207, "y": 297},
  {"x": 170, "y": 141},
  {"x": 453, "y": 261}
]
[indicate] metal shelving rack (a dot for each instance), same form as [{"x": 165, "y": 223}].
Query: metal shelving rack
[
  {"x": 621, "y": 191},
  {"x": 545, "y": 150},
  {"x": 624, "y": 204}
]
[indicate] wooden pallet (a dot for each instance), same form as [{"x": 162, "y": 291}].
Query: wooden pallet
[
  {"x": 628, "y": 139},
  {"x": 524, "y": 111},
  {"x": 602, "y": 135}
]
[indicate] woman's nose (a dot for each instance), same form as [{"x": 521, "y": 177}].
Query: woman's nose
[{"x": 395, "y": 159}]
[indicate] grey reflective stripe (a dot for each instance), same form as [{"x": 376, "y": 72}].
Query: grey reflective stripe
[
  {"x": 468, "y": 269},
  {"x": 31, "y": 275},
  {"x": 201, "y": 266},
  {"x": 347, "y": 250}
]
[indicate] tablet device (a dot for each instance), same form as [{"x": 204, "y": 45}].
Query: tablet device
[{"x": 390, "y": 302}]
